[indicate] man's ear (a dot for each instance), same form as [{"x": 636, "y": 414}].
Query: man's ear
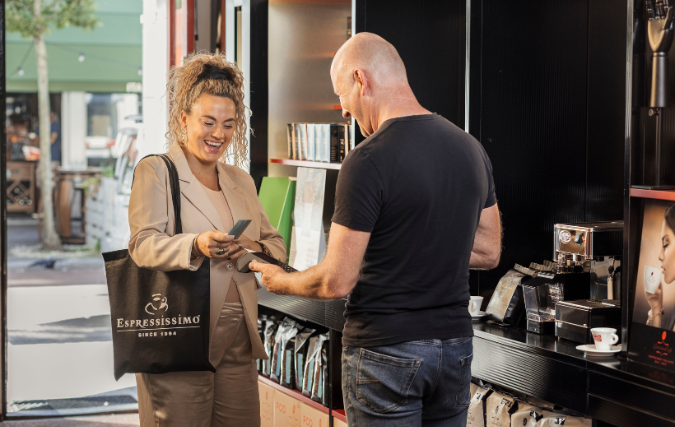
[{"x": 361, "y": 81}]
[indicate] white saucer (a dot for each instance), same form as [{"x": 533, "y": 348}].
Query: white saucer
[
  {"x": 480, "y": 315},
  {"x": 590, "y": 350}
]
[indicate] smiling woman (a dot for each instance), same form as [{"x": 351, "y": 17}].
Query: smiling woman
[
  {"x": 207, "y": 127},
  {"x": 216, "y": 81}
]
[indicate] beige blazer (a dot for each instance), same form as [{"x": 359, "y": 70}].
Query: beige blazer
[{"x": 153, "y": 244}]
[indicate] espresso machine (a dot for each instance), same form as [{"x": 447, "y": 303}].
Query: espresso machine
[{"x": 595, "y": 248}]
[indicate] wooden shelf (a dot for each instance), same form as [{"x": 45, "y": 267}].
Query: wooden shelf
[
  {"x": 653, "y": 194},
  {"x": 307, "y": 164},
  {"x": 295, "y": 394}
]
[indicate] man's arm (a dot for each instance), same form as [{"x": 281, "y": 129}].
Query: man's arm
[
  {"x": 53, "y": 137},
  {"x": 334, "y": 278},
  {"x": 487, "y": 245}
]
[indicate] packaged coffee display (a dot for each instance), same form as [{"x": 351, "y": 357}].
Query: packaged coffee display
[
  {"x": 282, "y": 357},
  {"x": 300, "y": 354},
  {"x": 476, "y": 414},
  {"x": 526, "y": 416},
  {"x": 498, "y": 409},
  {"x": 268, "y": 341},
  {"x": 507, "y": 304},
  {"x": 310, "y": 376}
]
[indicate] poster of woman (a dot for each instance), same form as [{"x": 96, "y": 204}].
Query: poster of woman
[{"x": 653, "y": 328}]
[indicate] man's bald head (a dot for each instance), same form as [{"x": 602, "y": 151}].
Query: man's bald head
[{"x": 374, "y": 55}]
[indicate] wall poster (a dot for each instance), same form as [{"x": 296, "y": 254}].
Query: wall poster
[{"x": 652, "y": 337}]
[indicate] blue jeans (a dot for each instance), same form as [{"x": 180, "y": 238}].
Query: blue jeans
[{"x": 416, "y": 383}]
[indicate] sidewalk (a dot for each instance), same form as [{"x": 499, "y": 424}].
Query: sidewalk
[
  {"x": 60, "y": 356},
  {"x": 123, "y": 420}
]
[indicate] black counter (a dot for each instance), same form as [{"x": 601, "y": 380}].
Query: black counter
[{"x": 611, "y": 389}]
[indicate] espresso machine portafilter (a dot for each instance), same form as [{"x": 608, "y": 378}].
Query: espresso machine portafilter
[{"x": 593, "y": 247}]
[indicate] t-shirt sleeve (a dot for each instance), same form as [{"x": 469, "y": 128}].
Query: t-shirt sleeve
[
  {"x": 359, "y": 193},
  {"x": 492, "y": 195}
]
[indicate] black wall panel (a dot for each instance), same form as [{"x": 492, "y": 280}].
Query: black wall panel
[
  {"x": 606, "y": 109},
  {"x": 259, "y": 90},
  {"x": 551, "y": 109},
  {"x": 430, "y": 36}
]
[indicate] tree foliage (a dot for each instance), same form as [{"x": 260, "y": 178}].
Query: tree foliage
[{"x": 56, "y": 14}]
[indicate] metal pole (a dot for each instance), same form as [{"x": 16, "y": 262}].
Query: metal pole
[{"x": 659, "y": 124}]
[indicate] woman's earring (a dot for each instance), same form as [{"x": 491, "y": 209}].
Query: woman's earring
[{"x": 184, "y": 135}]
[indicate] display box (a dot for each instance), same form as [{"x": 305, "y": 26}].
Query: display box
[
  {"x": 266, "y": 405},
  {"x": 286, "y": 410},
  {"x": 312, "y": 417}
]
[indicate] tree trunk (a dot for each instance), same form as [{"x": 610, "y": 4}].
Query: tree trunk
[{"x": 50, "y": 240}]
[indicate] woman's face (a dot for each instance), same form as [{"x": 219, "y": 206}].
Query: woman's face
[
  {"x": 667, "y": 254},
  {"x": 210, "y": 127}
]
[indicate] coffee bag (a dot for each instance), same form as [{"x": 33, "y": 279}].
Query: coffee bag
[
  {"x": 281, "y": 355},
  {"x": 301, "y": 347},
  {"x": 498, "y": 408},
  {"x": 476, "y": 413},
  {"x": 552, "y": 419},
  {"x": 526, "y": 416}
]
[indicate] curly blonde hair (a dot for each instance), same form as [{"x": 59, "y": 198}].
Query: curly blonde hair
[{"x": 215, "y": 75}]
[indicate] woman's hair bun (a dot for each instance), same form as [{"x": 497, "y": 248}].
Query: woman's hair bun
[{"x": 211, "y": 72}]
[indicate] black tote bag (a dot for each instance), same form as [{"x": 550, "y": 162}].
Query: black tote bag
[{"x": 160, "y": 319}]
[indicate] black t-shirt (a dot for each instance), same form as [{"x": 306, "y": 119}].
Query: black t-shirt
[{"x": 418, "y": 185}]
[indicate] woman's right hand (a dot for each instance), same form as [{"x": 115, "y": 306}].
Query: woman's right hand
[
  {"x": 655, "y": 300},
  {"x": 210, "y": 243}
]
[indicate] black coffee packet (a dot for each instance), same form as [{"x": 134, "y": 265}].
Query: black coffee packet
[
  {"x": 310, "y": 375},
  {"x": 271, "y": 325},
  {"x": 282, "y": 357},
  {"x": 301, "y": 348}
]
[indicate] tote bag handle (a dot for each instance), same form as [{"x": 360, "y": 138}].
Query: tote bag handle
[{"x": 175, "y": 188}]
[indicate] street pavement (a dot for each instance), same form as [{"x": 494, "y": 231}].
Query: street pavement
[
  {"x": 121, "y": 420},
  {"x": 60, "y": 355}
]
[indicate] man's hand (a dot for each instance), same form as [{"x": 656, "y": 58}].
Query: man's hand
[
  {"x": 333, "y": 278},
  {"x": 270, "y": 275}
]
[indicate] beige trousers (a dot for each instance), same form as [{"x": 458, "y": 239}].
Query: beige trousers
[{"x": 225, "y": 398}]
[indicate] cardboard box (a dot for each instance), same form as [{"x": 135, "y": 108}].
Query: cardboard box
[
  {"x": 286, "y": 410},
  {"x": 266, "y": 405},
  {"x": 338, "y": 423},
  {"x": 312, "y": 417}
]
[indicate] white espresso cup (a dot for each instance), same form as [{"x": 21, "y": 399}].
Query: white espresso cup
[
  {"x": 652, "y": 279},
  {"x": 474, "y": 305},
  {"x": 604, "y": 338}
]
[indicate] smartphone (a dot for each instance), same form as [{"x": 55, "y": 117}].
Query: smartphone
[{"x": 239, "y": 228}]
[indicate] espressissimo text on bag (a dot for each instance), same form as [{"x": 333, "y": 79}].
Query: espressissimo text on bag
[{"x": 160, "y": 319}]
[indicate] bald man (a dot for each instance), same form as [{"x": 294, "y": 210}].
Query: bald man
[{"x": 415, "y": 209}]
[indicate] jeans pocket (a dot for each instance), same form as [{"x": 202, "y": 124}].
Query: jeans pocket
[
  {"x": 383, "y": 382},
  {"x": 463, "y": 396}
]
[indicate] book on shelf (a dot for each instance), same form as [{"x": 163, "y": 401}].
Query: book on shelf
[
  {"x": 334, "y": 144},
  {"x": 311, "y": 142},
  {"x": 292, "y": 135},
  {"x": 303, "y": 140},
  {"x": 289, "y": 137},
  {"x": 319, "y": 142}
]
